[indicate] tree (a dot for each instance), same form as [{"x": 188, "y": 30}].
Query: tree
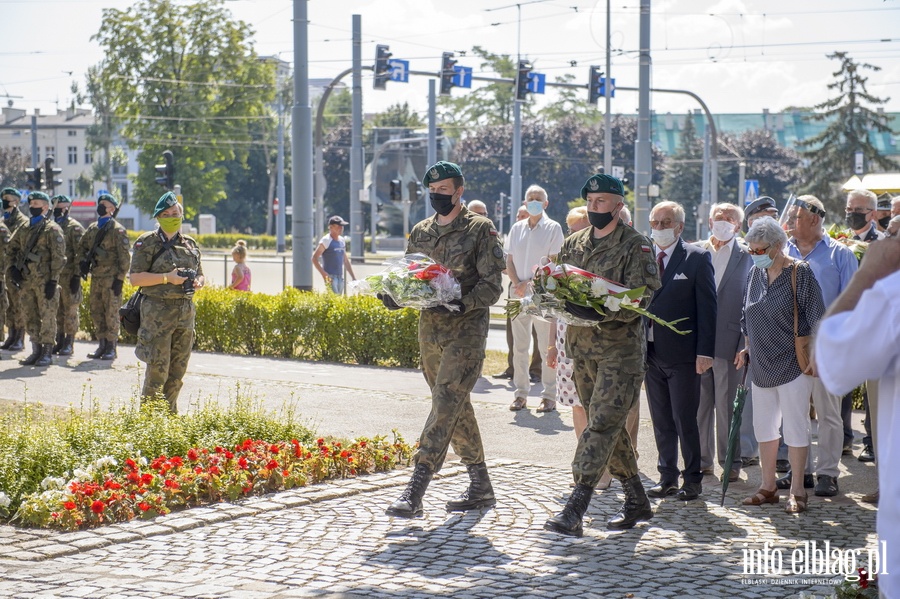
[
  {"x": 683, "y": 179},
  {"x": 831, "y": 152},
  {"x": 12, "y": 168},
  {"x": 767, "y": 161},
  {"x": 398, "y": 115},
  {"x": 183, "y": 77}
]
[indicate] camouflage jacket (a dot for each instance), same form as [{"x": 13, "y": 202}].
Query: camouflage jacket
[
  {"x": 5, "y": 250},
  {"x": 111, "y": 259},
  {"x": 46, "y": 259},
  {"x": 184, "y": 254},
  {"x": 15, "y": 220},
  {"x": 625, "y": 257},
  {"x": 72, "y": 232},
  {"x": 469, "y": 246}
]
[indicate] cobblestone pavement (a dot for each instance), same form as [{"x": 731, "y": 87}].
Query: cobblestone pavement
[{"x": 334, "y": 540}]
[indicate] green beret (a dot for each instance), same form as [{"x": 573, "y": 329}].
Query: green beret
[
  {"x": 61, "y": 199},
  {"x": 109, "y": 198},
  {"x": 38, "y": 195},
  {"x": 440, "y": 171},
  {"x": 11, "y": 191},
  {"x": 167, "y": 200},
  {"x": 601, "y": 183}
]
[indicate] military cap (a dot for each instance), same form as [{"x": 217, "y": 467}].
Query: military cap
[
  {"x": 38, "y": 195},
  {"x": 167, "y": 200},
  {"x": 440, "y": 171},
  {"x": 11, "y": 191},
  {"x": 601, "y": 183},
  {"x": 61, "y": 199},
  {"x": 109, "y": 198},
  {"x": 760, "y": 204},
  {"x": 884, "y": 201}
]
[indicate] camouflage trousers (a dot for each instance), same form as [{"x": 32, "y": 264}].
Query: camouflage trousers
[
  {"x": 451, "y": 370},
  {"x": 15, "y": 313},
  {"x": 40, "y": 312},
  {"x": 105, "y": 308},
  {"x": 164, "y": 343},
  {"x": 605, "y": 443},
  {"x": 67, "y": 317},
  {"x": 4, "y": 305}
]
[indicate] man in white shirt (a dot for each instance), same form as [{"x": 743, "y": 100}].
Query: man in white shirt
[
  {"x": 530, "y": 240},
  {"x": 843, "y": 363}
]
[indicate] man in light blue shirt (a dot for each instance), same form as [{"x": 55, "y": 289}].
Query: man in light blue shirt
[{"x": 833, "y": 264}]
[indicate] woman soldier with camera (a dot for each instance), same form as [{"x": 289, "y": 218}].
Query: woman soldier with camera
[{"x": 165, "y": 264}]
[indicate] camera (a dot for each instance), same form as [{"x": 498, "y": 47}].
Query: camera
[{"x": 189, "y": 275}]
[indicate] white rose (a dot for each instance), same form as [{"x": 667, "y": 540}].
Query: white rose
[
  {"x": 599, "y": 288},
  {"x": 4, "y": 500},
  {"x": 612, "y": 303},
  {"x": 550, "y": 285}
]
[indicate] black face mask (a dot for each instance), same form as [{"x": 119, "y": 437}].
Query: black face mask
[
  {"x": 36, "y": 211},
  {"x": 856, "y": 221},
  {"x": 442, "y": 203},
  {"x": 101, "y": 209},
  {"x": 59, "y": 212},
  {"x": 884, "y": 222},
  {"x": 7, "y": 204},
  {"x": 600, "y": 220}
]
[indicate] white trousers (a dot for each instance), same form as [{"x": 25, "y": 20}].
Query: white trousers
[{"x": 521, "y": 330}]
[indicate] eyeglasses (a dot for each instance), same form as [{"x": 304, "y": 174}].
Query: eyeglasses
[
  {"x": 758, "y": 252},
  {"x": 859, "y": 211},
  {"x": 665, "y": 224}
]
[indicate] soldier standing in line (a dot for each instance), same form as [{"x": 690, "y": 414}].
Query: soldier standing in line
[
  {"x": 103, "y": 253},
  {"x": 452, "y": 339},
  {"x": 609, "y": 358},
  {"x": 70, "y": 282},
  {"x": 4, "y": 266},
  {"x": 166, "y": 266},
  {"x": 38, "y": 256},
  {"x": 15, "y": 314}
]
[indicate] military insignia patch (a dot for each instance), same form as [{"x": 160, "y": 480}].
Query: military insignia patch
[
  {"x": 138, "y": 244},
  {"x": 651, "y": 268},
  {"x": 433, "y": 174},
  {"x": 494, "y": 232},
  {"x": 593, "y": 185},
  {"x": 646, "y": 248},
  {"x": 498, "y": 251}
]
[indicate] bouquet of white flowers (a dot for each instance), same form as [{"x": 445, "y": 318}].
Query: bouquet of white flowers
[{"x": 412, "y": 281}]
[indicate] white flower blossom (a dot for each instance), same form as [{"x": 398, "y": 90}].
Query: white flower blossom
[
  {"x": 4, "y": 500},
  {"x": 599, "y": 288},
  {"x": 106, "y": 461},
  {"x": 142, "y": 461},
  {"x": 84, "y": 475},
  {"x": 53, "y": 483},
  {"x": 551, "y": 284},
  {"x": 612, "y": 303}
]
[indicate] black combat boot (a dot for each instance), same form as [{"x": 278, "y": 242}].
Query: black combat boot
[
  {"x": 67, "y": 349},
  {"x": 59, "y": 343},
  {"x": 479, "y": 494},
  {"x": 568, "y": 521},
  {"x": 46, "y": 356},
  {"x": 409, "y": 505},
  {"x": 35, "y": 354},
  {"x": 110, "y": 352},
  {"x": 10, "y": 338},
  {"x": 18, "y": 343},
  {"x": 636, "y": 507},
  {"x": 100, "y": 350}
]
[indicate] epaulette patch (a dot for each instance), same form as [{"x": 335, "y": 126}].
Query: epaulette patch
[{"x": 646, "y": 248}]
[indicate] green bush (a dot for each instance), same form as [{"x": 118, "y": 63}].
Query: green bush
[
  {"x": 226, "y": 241},
  {"x": 295, "y": 324}
]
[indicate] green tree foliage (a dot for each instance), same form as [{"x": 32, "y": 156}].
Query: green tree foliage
[
  {"x": 398, "y": 115},
  {"x": 773, "y": 165},
  {"x": 683, "y": 179},
  {"x": 831, "y": 153},
  {"x": 183, "y": 77},
  {"x": 12, "y": 168}
]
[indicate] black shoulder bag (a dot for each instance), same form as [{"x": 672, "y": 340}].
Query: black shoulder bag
[{"x": 130, "y": 313}]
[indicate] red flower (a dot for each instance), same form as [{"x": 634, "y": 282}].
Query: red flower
[
  {"x": 111, "y": 484},
  {"x": 193, "y": 455},
  {"x": 176, "y": 460},
  {"x": 248, "y": 443},
  {"x": 352, "y": 472},
  {"x": 171, "y": 484},
  {"x": 147, "y": 478},
  {"x": 131, "y": 464},
  {"x": 69, "y": 505},
  {"x": 143, "y": 506},
  {"x": 362, "y": 444},
  {"x": 54, "y": 515},
  {"x": 345, "y": 454},
  {"x": 285, "y": 473},
  {"x": 228, "y": 454},
  {"x": 214, "y": 470},
  {"x": 242, "y": 463},
  {"x": 308, "y": 455},
  {"x": 198, "y": 470},
  {"x": 272, "y": 465},
  {"x": 98, "y": 506},
  {"x": 320, "y": 441},
  {"x": 274, "y": 448},
  {"x": 133, "y": 477},
  {"x": 219, "y": 449}
]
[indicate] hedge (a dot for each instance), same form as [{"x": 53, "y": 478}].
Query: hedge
[
  {"x": 226, "y": 241},
  {"x": 296, "y": 324}
]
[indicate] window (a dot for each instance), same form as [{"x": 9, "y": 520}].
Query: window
[
  {"x": 73, "y": 133},
  {"x": 71, "y": 188},
  {"x": 51, "y": 151},
  {"x": 119, "y": 169},
  {"x": 88, "y": 156},
  {"x": 123, "y": 191},
  {"x": 73, "y": 154}
]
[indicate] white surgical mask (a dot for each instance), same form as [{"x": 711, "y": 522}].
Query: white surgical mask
[
  {"x": 663, "y": 237},
  {"x": 534, "y": 207},
  {"x": 723, "y": 230}
]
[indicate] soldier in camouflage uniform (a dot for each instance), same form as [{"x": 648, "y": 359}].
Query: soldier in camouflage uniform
[
  {"x": 167, "y": 312},
  {"x": 15, "y": 314},
  {"x": 452, "y": 339},
  {"x": 38, "y": 256},
  {"x": 4, "y": 266},
  {"x": 609, "y": 358},
  {"x": 107, "y": 262},
  {"x": 69, "y": 281}
]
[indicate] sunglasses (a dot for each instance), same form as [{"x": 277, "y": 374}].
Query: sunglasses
[{"x": 758, "y": 252}]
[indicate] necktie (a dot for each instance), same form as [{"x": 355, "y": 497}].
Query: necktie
[{"x": 659, "y": 261}]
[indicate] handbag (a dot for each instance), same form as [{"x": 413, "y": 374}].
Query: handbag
[
  {"x": 130, "y": 313},
  {"x": 802, "y": 344}
]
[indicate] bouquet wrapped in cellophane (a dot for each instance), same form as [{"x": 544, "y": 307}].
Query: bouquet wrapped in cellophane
[
  {"x": 555, "y": 284},
  {"x": 845, "y": 236},
  {"x": 412, "y": 281}
]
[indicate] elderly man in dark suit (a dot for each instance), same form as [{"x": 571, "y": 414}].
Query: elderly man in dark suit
[
  {"x": 718, "y": 385},
  {"x": 674, "y": 361}
]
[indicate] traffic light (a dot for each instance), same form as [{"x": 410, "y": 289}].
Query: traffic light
[
  {"x": 396, "y": 193},
  {"x": 51, "y": 174},
  {"x": 522, "y": 80},
  {"x": 447, "y": 73},
  {"x": 594, "y": 92},
  {"x": 34, "y": 178},
  {"x": 166, "y": 172},
  {"x": 382, "y": 68}
]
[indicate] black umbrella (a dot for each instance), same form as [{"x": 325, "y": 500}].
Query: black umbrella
[{"x": 734, "y": 431}]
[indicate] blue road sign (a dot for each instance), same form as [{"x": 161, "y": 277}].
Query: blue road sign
[
  {"x": 463, "y": 77},
  {"x": 612, "y": 93},
  {"x": 751, "y": 190},
  {"x": 399, "y": 70},
  {"x": 536, "y": 82}
]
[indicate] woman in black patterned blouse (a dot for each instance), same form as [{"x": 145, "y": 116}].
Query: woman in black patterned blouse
[{"x": 781, "y": 391}]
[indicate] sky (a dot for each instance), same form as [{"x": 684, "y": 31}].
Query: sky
[{"x": 739, "y": 56}]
